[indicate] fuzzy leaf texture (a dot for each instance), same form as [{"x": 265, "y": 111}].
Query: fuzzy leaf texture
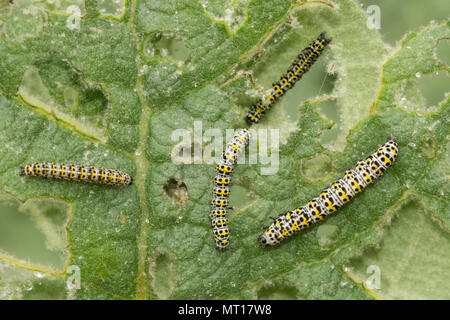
[{"x": 108, "y": 83}]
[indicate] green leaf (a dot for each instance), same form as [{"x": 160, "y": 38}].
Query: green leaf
[{"x": 116, "y": 85}]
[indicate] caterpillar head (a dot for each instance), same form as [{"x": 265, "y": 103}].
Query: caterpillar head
[
  {"x": 127, "y": 179},
  {"x": 270, "y": 237}
]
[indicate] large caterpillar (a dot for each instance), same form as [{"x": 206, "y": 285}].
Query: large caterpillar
[
  {"x": 295, "y": 72},
  {"x": 222, "y": 184},
  {"x": 71, "y": 172},
  {"x": 333, "y": 197}
]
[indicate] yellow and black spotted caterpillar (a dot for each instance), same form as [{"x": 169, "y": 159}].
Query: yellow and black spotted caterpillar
[
  {"x": 71, "y": 172},
  {"x": 333, "y": 197},
  {"x": 295, "y": 72},
  {"x": 222, "y": 184}
]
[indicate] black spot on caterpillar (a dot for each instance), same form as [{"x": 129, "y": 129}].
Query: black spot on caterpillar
[
  {"x": 333, "y": 197},
  {"x": 77, "y": 173},
  {"x": 221, "y": 189},
  {"x": 295, "y": 72}
]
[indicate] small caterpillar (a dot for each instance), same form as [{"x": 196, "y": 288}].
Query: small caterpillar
[
  {"x": 77, "y": 173},
  {"x": 333, "y": 197},
  {"x": 222, "y": 184},
  {"x": 295, "y": 72}
]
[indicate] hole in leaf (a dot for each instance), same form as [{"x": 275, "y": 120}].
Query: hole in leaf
[
  {"x": 241, "y": 91},
  {"x": 327, "y": 234},
  {"x": 317, "y": 168},
  {"x": 278, "y": 291},
  {"x": 18, "y": 283},
  {"x": 443, "y": 51},
  {"x": 51, "y": 84},
  {"x": 64, "y": 84},
  {"x": 429, "y": 147},
  {"x": 331, "y": 111},
  {"x": 167, "y": 45},
  {"x": 70, "y": 97},
  {"x": 162, "y": 273},
  {"x": 61, "y": 6},
  {"x": 396, "y": 20},
  {"x": 433, "y": 88},
  {"x": 114, "y": 8},
  {"x": 231, "y": 12},
  {"x": 35, "y": 231},
  {"x": 411, "y": 260},
  {"x": 423, "y": 93},
  {"x": 176, "y": 190}
]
